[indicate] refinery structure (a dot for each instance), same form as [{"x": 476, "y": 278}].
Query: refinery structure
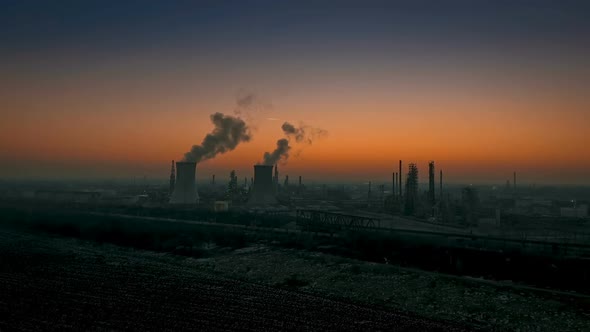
[
  {"x": 408, "y": 195},
  {"x": 413, "y": 206}
]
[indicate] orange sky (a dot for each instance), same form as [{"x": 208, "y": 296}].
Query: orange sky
[
  {"x": 117, "y": 94},
  {"x": 474, "y": 133}
]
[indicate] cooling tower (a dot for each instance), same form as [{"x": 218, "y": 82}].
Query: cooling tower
[
  {"x": 185, "y": 188},
  {"x": 263, "y": 190}
]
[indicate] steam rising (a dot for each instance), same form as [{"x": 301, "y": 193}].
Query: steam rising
[
  {"x": 249, "y": 105},
  {"x": 302, "y": 134},
  {"x": 280, "y": 153},
  {"x": 229, "y": 131}
]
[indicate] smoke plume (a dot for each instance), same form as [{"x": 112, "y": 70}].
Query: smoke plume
[
  {"x": 280, "y": 153},
  {"x": 303, "y": 134},
  {"x": 249, "y": 105},
  {"x": 229, "y": 131}
]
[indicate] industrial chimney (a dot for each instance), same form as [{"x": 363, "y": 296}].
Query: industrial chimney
[
  {"x": 400, "y": 179},
  {"x": 263, "y": 189},
  {"x": 185, "y": 188},
  {"x": 431, "y": 194}
]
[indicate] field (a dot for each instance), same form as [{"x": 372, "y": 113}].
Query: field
[
  {"x": 478, "y": 303},
  {"x": 85, "y": 271},
  {"x": 53, "y": 283}
]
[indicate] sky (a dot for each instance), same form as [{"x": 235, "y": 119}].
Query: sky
[{"x": 117, "y": 89}]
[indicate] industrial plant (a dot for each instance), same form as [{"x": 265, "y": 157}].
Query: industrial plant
[
  {"x": 184, "y": 187},
  {"x": 295, "y": 166},
  {"x": 510, "y": 236}
]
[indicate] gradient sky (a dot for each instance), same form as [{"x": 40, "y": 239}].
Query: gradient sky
[{"x": 113, "y": 89}]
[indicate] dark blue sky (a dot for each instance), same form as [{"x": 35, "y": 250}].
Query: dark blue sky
[{"x": 338, "y": 25}]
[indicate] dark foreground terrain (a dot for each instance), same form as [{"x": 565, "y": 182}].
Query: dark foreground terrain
[{"x": 54, "y": 283}]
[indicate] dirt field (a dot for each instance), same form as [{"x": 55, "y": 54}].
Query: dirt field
[
  {"x": 52, "y": 283},
  {"x": 478, "y": 303}
]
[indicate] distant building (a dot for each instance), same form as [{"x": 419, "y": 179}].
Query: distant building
[
  {"x": 67, "y": 196},
  {"x": 220, "y": 206},
  {"x": 470, "y": 201},
  {"x": 580, "y": 211}
]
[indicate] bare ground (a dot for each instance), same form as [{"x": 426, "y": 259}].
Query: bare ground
[
  {"x": 477, "y": 303},
  {"x": 50, "y": 283}
]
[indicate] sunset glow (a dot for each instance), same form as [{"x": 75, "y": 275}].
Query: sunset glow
[{"x": 119, "y": 101}]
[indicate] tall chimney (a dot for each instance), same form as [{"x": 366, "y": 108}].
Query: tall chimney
[
  {"x": 213, "y": 180},
  {"x": 400, "y": 178},
  {"x": 514, "y": 182},
  {"x": 172, "y": 178},
  {"x": 441, "y": 187},
  {"x": 396, "y": 182},
  {"x": 431, "y": 193}
]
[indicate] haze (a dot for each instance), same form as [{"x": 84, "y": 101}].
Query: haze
[{"x": 114, "y": 90}]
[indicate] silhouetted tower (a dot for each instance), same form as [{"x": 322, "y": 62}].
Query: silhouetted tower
[
  {"x": 286, "y": 181},
  {"x": 470, "y": 200},
  {"x": 514, "y": 182},
  {"x": 232, "y": 186},
  {"x": 400, "y": 178},
  {"x": 213, "y": 179},
  {"x": 431, "y": 194},
  {"x": 411, "y": 189},
  {"x": 276, "y": 177},
  {"x": 172, "y": 178},
  {"x": 440, "y": 188}
]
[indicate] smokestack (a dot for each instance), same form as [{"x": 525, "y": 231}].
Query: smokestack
[
  {"x": 400, "y": 178},
  {"x": 441, "y": 187},
  {"x": 263, "y": 189},
  {"x": 299, "y": 180},
  {"x": 185, "y": 189},
  {"x": 213, "y": 180},
  {"x": 514, "y": 182},
  {"x": 172, "y": 178},
  {"x": 431, "y": 193}
]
